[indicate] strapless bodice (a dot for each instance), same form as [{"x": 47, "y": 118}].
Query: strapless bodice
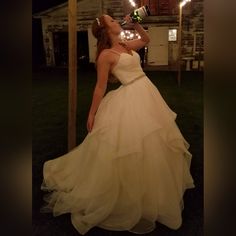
[{"x": 128, "y": 68}]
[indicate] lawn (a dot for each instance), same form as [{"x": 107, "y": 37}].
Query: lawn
[{"x": 50, "y": 107}]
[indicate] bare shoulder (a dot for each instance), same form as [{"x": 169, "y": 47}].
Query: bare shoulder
[{"x": 106, "y": 56}]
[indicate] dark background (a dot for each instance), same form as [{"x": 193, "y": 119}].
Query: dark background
[
  {"x": 38, "y": 58},
  {"x": 60, "y": 41},
  {"x": 40, "y": 5}
]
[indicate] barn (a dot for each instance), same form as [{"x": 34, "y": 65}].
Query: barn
[{"x": 162, "y": 26}]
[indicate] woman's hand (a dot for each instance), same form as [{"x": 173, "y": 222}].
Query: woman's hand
[
  {"x": 90, "y": 122},
  {"x": 128, "y": 20}
]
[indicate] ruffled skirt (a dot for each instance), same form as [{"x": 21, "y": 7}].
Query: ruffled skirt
[{"x": 132, "y": 168}]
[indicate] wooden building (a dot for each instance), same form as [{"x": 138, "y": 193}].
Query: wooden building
[{"x": 162, "y": 27}]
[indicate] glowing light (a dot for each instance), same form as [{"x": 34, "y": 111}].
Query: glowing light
[
  {"x": 184, "y": 2},
  {"x": 129, "y": 35},
  {"x": 122, "y": 35},
  {"x": 132, "y": 3}
]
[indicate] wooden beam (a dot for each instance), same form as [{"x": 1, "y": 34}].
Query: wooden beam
[
  {"x": 72, "y": 11},
  {"x": 179, "y": 46}
]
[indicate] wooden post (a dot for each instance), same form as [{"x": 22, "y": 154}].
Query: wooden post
[
  {"x": 72, "y": 20},
  {"x": 179, "y": 45}
]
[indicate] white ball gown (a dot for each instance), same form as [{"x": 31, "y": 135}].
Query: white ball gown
[{"x": 133, "y": 168}]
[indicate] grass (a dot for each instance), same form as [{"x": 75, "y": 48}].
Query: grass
[{"x": 50, "y": 107}]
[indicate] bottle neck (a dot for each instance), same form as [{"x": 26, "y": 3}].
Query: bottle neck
[{"x": 138, "y": 15}]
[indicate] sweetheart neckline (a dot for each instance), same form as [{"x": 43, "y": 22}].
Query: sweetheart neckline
[
  {"x": 117, "y": 52},
  {"x": 119, "y": 58},
  {"x": 127, "y": 53}
]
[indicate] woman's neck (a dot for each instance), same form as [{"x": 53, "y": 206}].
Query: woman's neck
[
  {"x": 122, "y": 47},
  {"x": 116, "y": 41}
]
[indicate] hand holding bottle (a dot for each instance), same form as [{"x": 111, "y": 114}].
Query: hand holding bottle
[
  {"x": 128, "y": 20},
  {"x": 137, "y": 15}
]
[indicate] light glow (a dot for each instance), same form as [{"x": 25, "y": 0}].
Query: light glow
[
  {"x": 132, "y": 3},
  {"x": 129, "y": 34},
  {"x": 184, "y": 2}
]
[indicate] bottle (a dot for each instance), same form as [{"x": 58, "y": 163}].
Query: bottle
[{"x": 138, "y": 14}]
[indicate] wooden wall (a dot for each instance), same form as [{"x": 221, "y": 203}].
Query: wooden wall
[{"x": 193, "y": 21}]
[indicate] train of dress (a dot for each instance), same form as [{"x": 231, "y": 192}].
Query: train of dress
[{"x": 133, "y": 166}]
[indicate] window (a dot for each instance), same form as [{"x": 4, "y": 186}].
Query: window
[{"x": 172, "y": 35}]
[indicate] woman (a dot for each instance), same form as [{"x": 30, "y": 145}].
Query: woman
[{"x": 133, "y": 167}]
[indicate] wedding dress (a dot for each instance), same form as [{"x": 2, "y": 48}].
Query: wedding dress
[{"x": 132, "y": 169}]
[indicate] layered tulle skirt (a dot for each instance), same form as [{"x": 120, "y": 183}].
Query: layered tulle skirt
[{"x": 133, "y": 166}]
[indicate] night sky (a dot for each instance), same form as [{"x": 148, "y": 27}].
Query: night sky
[{"x": 40, "y": 5}]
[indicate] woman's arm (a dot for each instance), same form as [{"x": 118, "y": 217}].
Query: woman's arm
[
  {"x": 137, "y": 43},
  {"x": 103, "y": 67}
]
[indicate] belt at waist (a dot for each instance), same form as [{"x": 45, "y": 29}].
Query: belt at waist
[{"x": 133, "y": 80}]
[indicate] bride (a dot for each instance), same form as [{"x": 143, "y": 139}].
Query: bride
[{"x": 132, "y": 169}]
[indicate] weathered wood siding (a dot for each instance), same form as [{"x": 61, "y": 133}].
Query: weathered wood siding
[{"x": 56, "y": 20}]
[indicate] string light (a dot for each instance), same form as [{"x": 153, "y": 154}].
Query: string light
[
  {"x": 184, "y": 2},
  {"x": 132, "y": 3},
  {"x": 129, "y": 34}
]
